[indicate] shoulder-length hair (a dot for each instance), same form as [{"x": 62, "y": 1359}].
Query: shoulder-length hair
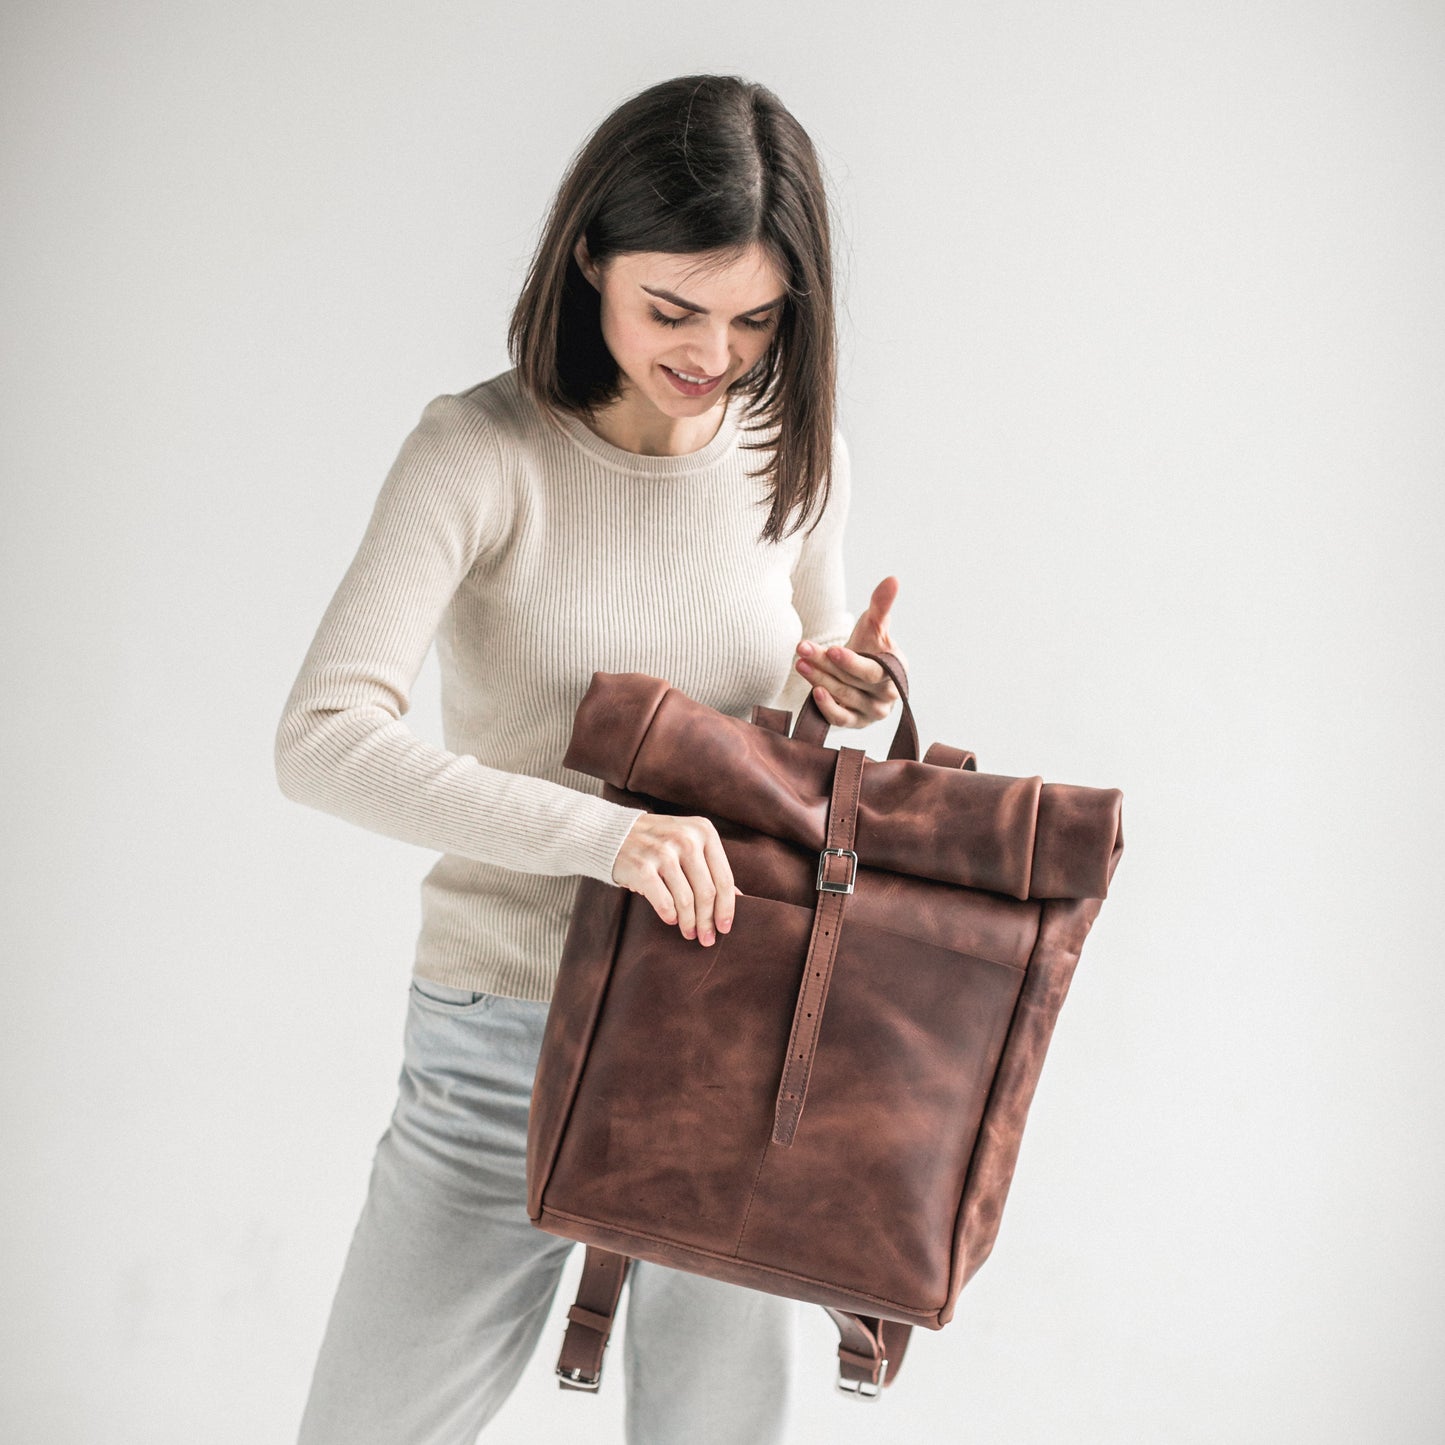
[{"x": 701, "y": 163}]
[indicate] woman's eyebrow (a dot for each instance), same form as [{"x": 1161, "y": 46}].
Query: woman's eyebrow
[{"x": 691, "y": 306}]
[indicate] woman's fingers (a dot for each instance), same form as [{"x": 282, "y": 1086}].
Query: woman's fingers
[
  {"x": 678, "y": 864},
  {"x": 678, "y": 884},
  {"x": 722, "y": 875},
  {"x": 852, "y": 667},
  {"x": 867, "y": 678},
  {"x": 833, "y": 712},
  {"x": 850, "y": 702},
  {"x": 656, "y": 892},
  {"x": 860, "y": 690},
  {"x": 709, "y": 880}
]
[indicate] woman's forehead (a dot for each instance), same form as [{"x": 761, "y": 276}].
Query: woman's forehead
[{"x": 698, "y": 274}]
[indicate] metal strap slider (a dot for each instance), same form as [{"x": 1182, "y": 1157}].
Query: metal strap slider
[
  {"x": 575, "y": 1379},
  {"x": 864, "y": 1389},
  {"x": 826, "y": 885}
]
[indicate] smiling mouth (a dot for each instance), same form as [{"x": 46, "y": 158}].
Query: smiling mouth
[
  {"x": 695, "y": 389},
  {"x": 695, "y": 380}
]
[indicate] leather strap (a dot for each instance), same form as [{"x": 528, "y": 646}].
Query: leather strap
[
  {"x": 822, "y": 944},
  {"x": 589, "y": 1321},
  {"x": 812, "y": 727},
  {"x": 944, "y": 756},
  {"x": 774, "y": 719},
  {"x": 870, "y": 1351}
]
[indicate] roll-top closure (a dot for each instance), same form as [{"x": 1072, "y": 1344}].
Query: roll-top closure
[{"x": 1020, "y": 837}]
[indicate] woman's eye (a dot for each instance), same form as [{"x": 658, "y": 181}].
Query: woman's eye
[{"x": 751, "y": 324}]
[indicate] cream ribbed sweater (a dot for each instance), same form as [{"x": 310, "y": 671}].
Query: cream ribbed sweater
[{"x": 534, "y": 553}]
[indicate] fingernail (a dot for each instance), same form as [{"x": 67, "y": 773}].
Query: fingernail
[
  {"x": 805, "y": 667},
  {"x": 805, "y": 647},
  {"x": 725, "y": 926},
  {"x": 707, "y": 939}
]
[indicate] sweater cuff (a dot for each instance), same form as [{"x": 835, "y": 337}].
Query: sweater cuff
[{"x": 604, "y": 827}]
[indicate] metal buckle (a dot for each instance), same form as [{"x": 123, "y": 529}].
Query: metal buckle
[
  {"x": 865, "y": 1389},
  {"x": 577, "y": 1380},
  {"x": 824, "y": 885}
]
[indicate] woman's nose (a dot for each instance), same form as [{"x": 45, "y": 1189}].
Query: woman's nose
[{"x": 713, "y": 354}]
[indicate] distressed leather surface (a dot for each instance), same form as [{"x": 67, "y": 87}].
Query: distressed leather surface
[
  {"x": 1020, "y": 837},
  {"x": 653, "y": 1107}
]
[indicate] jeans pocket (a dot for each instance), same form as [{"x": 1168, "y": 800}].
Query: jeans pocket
[{"x": 442, "y": 998}]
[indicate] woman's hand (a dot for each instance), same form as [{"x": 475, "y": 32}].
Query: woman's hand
[
  {"x": 852, "y": 691},
  {"x": 679, "y": 866}
]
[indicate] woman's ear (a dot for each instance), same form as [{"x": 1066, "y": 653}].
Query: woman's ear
[{"x": 583, "y": 258}]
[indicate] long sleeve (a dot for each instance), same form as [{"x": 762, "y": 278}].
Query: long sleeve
[
  {"x": 340, "y": 745},
  {"x": 819, "y": 595}
]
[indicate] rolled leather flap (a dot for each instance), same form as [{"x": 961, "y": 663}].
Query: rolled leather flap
[
  {"x": 611, "y": 721},
  {"x": 1020, "y": 837}
]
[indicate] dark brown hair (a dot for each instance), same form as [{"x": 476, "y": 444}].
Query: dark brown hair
[{"x": 702, "y": 163}]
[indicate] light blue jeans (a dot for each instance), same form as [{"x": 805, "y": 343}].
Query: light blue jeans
[{"x": 448, "y": 1283}]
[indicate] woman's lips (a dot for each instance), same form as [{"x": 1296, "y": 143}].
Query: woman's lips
[{"x": 689, "y": 388}]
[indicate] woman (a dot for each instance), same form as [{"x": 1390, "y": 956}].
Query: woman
[{"x": 588, "y": 509}]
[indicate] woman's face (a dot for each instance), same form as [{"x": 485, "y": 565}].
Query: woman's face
[{"x": 662, "y": 315}]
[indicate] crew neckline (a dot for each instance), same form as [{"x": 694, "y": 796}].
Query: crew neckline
[{"x": 639, "y": 463}]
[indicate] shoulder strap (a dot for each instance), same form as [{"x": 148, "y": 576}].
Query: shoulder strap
[
  {"x": 870, "y": 1350},
  {"x": 589, "y": 1321}
]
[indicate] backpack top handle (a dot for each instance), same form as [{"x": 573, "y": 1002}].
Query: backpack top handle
[{"x": 812, "y": 726}]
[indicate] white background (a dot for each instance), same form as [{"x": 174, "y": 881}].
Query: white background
[{"x": 1144, "y": 382}]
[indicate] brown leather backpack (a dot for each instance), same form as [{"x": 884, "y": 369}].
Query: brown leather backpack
[{"x": 827, "y": 1103}]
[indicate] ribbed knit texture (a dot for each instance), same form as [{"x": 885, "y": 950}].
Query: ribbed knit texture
[{"x": 534, "y": 553}]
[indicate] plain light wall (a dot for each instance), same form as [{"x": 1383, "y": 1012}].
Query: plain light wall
[{"x": 1143, "y": 377}]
